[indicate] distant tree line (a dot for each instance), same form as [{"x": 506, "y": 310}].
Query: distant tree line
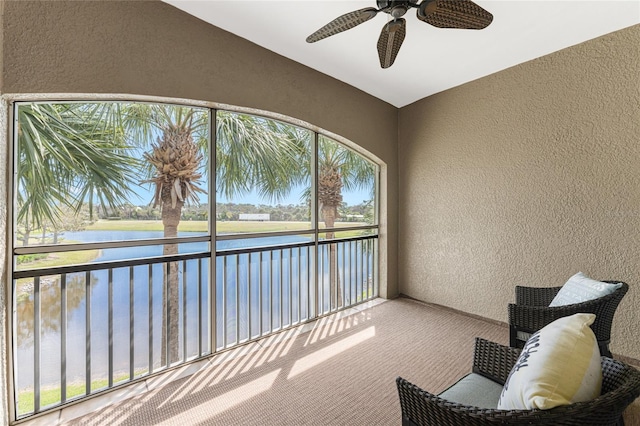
[
  {"x": 279, "y": 212},
  {"x": 148, "y": 212},
  {"x": 362, "y": 212}
]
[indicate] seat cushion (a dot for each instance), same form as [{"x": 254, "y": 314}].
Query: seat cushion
[
  {"x": 580, "y": 288},
  {"x": 559, "y": 365},
  {"x": 475, "y": 390}
]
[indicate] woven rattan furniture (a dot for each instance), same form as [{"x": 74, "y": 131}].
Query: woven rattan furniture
[
  {"x": 531, "y": 312},
  {"x": 620, "y": 387}
]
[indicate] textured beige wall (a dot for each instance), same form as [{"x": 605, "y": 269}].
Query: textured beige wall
[
  {"x": 4, "y": 306},
  {"x": 526, "y": 177},
  {"x": 4, "y": 331},
  {"x": 150, "y": 48}
]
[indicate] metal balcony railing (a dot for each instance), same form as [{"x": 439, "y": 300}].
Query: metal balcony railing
[{"x": 83, "y": 329}]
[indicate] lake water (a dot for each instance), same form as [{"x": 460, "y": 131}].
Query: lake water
[{"x": 281, "y": 277}]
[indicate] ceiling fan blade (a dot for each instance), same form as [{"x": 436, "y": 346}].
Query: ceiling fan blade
[
  {"x": 390, "y": 40},
  {"x": 343, "y": 23},
  {"x": 462, "y": 14}
]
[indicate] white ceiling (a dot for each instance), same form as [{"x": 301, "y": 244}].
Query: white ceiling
[{"x": 431, "y": 59}]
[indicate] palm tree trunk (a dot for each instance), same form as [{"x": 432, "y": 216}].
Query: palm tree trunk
[
  {"x": 176, "y": 159},
  {"x": 329, "y": 214},
  {"x": 171, "y": 309},
  {"x": 26, "y": 236}
]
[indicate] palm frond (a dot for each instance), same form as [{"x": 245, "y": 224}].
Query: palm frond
[
  {"x": 254, "y": 153},
  {"x": 356, "y": 171},
  {"x": 63, "y": 161}
]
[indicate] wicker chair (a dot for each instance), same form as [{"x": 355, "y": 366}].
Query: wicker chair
[
  {"x": 531, "y": 312},
  {"x": 620, "y": 387}
]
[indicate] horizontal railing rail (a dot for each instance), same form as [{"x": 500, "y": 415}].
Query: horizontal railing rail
[
  {"x": 229, "y": 252},
  {"x": 112, "y": 264},
  {"x": 248, "y": 235},
  {"x": 348, "y": 228},
  {"x": 240, "y": 235},
  {"x": 346, "y": 239},
  {"x": 58, "y": 248}
]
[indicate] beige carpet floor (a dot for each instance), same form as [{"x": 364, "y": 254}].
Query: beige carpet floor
[{"x": 342, "y": 372}]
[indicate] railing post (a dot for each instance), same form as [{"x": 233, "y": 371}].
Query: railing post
[
  {"x": 224, "y": 301},
  {"x": 36, "y": 344},
  {"x": 199, "y": 309},
  {"x": 237, "y": 257},
  {"x": 63, "y": 338},
  {"x": 150, "y": 318},
  {"x": 184, "y": 311},
  {"x": 110, "y": 325},
  {"x": 131, "y": 324},
  {"x": 249, "y": 308},
  {"x": 87, "y": 286}
]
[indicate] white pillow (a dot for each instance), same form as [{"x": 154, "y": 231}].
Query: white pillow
[
  {"x": 559, "y": 365},
  {"x": 580, "y": 288}
]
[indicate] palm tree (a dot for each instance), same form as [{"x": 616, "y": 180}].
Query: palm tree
[
  {"x": 174, "y": 165},
  {"x": 64, "y": 163},
  {"x": 338, "y": 168},
  {"x": 176, "y": 159}
]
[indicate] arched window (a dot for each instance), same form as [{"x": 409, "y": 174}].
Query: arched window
[{"x": 147, "y": 235}]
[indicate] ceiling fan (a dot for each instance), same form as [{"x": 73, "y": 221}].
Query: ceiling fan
[{"x": 462, "y": 14}]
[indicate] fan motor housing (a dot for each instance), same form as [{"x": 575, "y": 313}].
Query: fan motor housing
[
  {"x": 383, "y": 4},
  {"x": 396, "y": 8}
]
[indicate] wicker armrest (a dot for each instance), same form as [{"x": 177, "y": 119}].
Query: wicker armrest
[
  {"x": 494, "y": 361},
  {"x": 533, "y": 318},
  {"x": 421, "y": 408},
  {"x": 621, "y": 380},
  {"x": 535, "y": 296}
]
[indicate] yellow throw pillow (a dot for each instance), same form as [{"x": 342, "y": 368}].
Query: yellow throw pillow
[{"x": 559, "y": 365}]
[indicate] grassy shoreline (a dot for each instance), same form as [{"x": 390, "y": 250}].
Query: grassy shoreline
[
  {"x": 63, "y": 258},
  {"x": 222, "y": 227},
  {"x": 51, "y": 395}
]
